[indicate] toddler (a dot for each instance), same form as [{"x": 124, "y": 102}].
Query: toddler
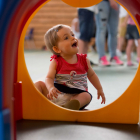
[{"x": 66, "y": 81}]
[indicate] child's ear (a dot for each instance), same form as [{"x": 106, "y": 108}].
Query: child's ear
[{"x": 55, "y": 48}]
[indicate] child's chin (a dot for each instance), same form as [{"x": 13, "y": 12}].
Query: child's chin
[{"x": 77, "y": 51}]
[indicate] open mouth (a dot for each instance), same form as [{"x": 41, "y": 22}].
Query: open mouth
[{"x": 74, "y": 44}]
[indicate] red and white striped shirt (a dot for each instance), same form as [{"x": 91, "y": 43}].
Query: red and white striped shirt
[{"x": 72, "y": 75}]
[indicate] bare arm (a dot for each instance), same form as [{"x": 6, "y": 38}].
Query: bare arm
[
  {"x": 49, "y": 81},
  {"x": 125, "y": 20},
  {"x": 75, "y": 24},
  {"x": 95, "y": 82}
]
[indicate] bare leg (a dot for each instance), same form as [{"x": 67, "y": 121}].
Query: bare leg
[
  {"x": 138, "y": 50},
  {"x": 129, "y": 49},
  {"x": 74, "y": 104},
  {"x": 40, "y": 85},
  {"x": 83, "y": 47},
  {"x": 84, "y": 98},
  {"x": 91, "y": 43},
  {"x": 120, "y": 43}
]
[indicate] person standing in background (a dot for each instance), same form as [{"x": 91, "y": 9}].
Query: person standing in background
[
  {"x": 107, "y": 18},
  {"x": 132, "y": 34},
  {"x": 86, "y": 26},
  {"x": 75, "y": 27},
  {"x": 121, "y": 31}
]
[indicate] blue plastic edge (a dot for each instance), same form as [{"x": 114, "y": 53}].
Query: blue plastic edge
[{"x": 5, "y": 125}]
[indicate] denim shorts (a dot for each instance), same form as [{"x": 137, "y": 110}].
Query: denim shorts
[
  {"x": 132, "y": 32},
  {"x": 86, "y": 24}
]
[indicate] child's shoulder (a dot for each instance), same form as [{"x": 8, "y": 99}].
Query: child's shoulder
[
  {"x": 82, "y": 55},
  {"x": 56, "y": 57}
]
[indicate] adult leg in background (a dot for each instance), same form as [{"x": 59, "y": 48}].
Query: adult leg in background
[
  {"x": 112, "y": 30},
  {"x": 86, "y": 29},
  {"x": 138, "y": 51},
  {"x": 101, "y": 19},
  {"x": 129, "y": 49}
]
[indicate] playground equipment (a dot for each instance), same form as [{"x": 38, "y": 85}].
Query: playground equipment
[{"x": 19, "y": 99}]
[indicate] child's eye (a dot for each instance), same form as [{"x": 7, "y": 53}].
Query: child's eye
[
  {"x": 66, "y": 38},
  {"x": 73, "y": 35}
]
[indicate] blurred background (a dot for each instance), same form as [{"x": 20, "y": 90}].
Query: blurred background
[{"x": 54, "y": 12}]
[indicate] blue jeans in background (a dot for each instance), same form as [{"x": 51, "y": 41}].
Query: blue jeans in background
[{"x": 106, "y": 19}]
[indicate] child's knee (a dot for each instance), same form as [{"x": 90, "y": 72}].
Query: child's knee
[
  {"x": 41, "y": 86},
  {"x": 87, "y": 97},
  {"x": 39, "y": 83}
]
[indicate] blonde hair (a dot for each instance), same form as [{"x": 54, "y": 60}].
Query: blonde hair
[{"x": 51, "y": 37}]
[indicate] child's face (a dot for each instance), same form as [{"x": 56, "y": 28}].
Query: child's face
[{"x": 67, "y": 43}]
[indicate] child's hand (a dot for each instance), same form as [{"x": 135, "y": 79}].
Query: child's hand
[
  {"x": 101, "y": 93},
  {"x": 53, "y": 93}
]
